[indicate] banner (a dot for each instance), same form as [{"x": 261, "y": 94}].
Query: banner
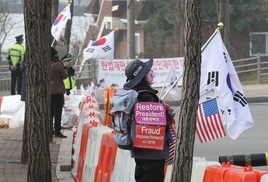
[
  {"x": 111, "y": 73},
  {"x": 150, "y": 137},
  {"x": 152, "y": 113}
]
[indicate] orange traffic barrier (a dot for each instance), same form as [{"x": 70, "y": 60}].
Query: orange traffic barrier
[
  {"x": 217, "y": 173},
  {"x": 1, "y": 98},
  {"x": 82, "y": 107},
  {"x": 109, "y": 118},
  {"x": 105, "y": 104},
  {"x": 105, "y": 167},
  {"x": 244, "y": 175},
  {"x": 83, "y": 147}
]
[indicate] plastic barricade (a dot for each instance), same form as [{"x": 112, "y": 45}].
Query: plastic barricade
[
  {"x": 83, "y": 111},
  {"x": 198, "y": 169},
  {"x": 87, "y": 115},
  {"x": 264, "y": 178},
  {"x": 199, "y": 166},
  {"x": 244, "y": 175},
  {"x": 93, "y": 150},
  {"x": 83, "y": 147},
  {"x": 168, "y": 173},
  {"x": 124, "y": 167},
  {"x": 105, "y": 104},
  {"x": 77, "y": 144},
  {"x": 107, "y": 156},
  {"x": 109, "y": 118},
  {"x": 217, "y": 173},
  {"x": 1, "y": 98}
]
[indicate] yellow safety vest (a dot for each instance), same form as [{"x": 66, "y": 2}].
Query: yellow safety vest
[
  {"x": 70, "y": 82},
  {"x": 16, "y": 53}
]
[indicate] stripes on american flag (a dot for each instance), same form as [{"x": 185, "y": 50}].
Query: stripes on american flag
[
  {"x": 209, "y": 124},
  {"x": 172, "y": 144}
]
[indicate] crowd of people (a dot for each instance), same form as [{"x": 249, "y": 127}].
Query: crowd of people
[{"x": 62, "y": 79}]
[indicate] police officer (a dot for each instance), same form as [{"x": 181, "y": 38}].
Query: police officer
[
  {"x": 15, "y": 58},
  {"x": 70, "y": 81}
]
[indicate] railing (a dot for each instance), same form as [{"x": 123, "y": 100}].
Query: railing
[
  {"x": 88, "y": 73},
  {"x": 5, "y": 77},
  {"x": 253, "y": 69}
]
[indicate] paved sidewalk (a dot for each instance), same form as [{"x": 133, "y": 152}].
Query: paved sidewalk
[
  {"x": 11, "y": 170},
  {"x": 11, "y": 144}
]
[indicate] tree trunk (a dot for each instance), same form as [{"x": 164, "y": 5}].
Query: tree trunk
[
  {"x": 68, "y": 29},
  {"x": 0, "y": 54},
  {"x": 54, "y": 15},
  {"x": 179, "y": 27},
  {"x": 25, "y": 144},
  {"x": 182, "y": 166},
  {"x": 37, "y": 16}
]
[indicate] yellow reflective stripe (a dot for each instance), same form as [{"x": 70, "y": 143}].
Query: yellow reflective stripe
[
  {"x": 15, "y": 55},
  {"x": 13, "y": 49}
]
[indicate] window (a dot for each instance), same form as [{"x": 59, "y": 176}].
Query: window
[
  {"x": 258, "y": 43},
  {"x": 137, "y": 44}
]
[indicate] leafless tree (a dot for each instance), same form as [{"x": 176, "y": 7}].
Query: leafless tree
[
  {"x": 182, "y": 166},
  {"x": 6, "y": 24},
  {"x": 68, "y": 29}
]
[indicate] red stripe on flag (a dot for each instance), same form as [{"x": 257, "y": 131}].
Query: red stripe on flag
[{"x": 210, "y": 127}]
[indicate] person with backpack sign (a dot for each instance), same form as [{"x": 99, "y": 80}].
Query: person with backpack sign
[{"x": 140, "y": 122}]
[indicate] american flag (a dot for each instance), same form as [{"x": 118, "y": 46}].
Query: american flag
[{"x": 209, "y": 125}]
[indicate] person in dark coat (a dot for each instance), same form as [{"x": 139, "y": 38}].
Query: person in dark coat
[
  {"x": 57, "y": 74},
  {"x": 149, "y": 163}
]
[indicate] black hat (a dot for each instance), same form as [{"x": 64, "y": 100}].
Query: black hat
[
  {"x": 67, "y": 57},
  {"x": 53, "y": 51},
  {"x": 135, "y": 71},
  {"x": 19, "y": 37}
]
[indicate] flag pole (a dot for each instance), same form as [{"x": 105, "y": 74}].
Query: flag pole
[
  {"x": 74, "y": 58},
  {"x": 219, "y": 26},
  {"x": 166, "y": 78},
  {"x": 174, "y": 84},
  {"x": 53, "y": 42}
]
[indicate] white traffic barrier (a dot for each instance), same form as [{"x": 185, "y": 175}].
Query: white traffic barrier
[
  {"x": 92, "y": 152},
  {"x": 198, "y": 169},
  {"x": 124, "y": 167},
  {"x": 77, "y": 144},
  {"x": 264, "y": 178},
  {"x": 168, "y": 173},
  {"x": 199, "y": 166},
  {"x": 79, "y": 130}
]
